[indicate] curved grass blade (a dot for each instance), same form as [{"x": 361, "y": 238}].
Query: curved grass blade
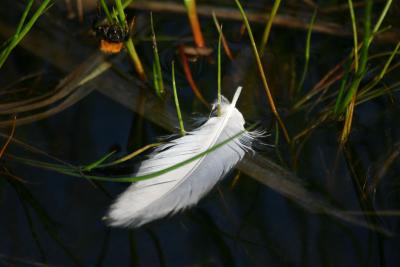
[
  {"x": 262, "y": 73},
  {"x": 157, "y": 73},
  {"x": 176, "y": 100},
  {"x": 22, "y": 29},
  {"x": 307, "y": 51},
  {"x": 76, "y": 172},
  {"x": 268, "y": 27},
  {"x": 224, "y": 42},
  {"x": 355, "y": 36},
  {"x": 97, "y": 163}
]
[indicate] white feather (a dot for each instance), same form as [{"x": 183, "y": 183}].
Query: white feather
[{"x": 183, "y": 187}]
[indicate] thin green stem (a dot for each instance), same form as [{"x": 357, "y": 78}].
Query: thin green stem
[
  {"x": 387, "y": 64},
  {"x": 135, "y": 58},
  {"x": 178, "y": 110},
  {"x": 368, "y": 38},
  {"x": 43, "y": 6},
  {"x": 342, "y": 86},
  {"x": 129, "y": 44},
  {"x": 106, "y": 10},
  {"x": 224, "y": 42},
  {"x": 23, "y": 18},
  {"x": 363, "y": 58},
  {"x": 75, "y": 173},
  {"x": 380, "y": 20},
  {"x": 22, "y": 30},
  {"x": 157, "y": 73},
  {"x": 307, "y": 51},
  {"x": 268, "y": 27},
  {"x": 379, "y": 77},
  {"x": 262, "y": 73},
  {"x": 126, "y": 3},
  {"x": 355, "y": 36},
  {"x": 121, "y": 13}
]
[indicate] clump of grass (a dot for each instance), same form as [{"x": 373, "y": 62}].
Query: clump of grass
[
  {"x": 363, "y": 60},
  {"x": 23, "y": 28},
  {"x": 346, "y": 101}
]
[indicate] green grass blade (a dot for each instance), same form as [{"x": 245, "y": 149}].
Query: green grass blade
[
  {"x": 41, "y": 9},
  {"x": 157, "y": 72},
  {"x": 106, "y": 10},
  {"x": 126, "y": 3},
  {"x": 307, "y": 51},
  {"x": 262, "y": 72},
  {"x": 380, "y": 20},
  {"x": 388, "y": 62},
  {"x": 178, "y": 110},
  {"x": 23, "y": 30},
  {"x": 23, "y": 18},
  {"x": 75, "y": 173},
  {"x": 156, "y": 80},
  {"x": 130, "y": 156},
  {"x": 268, "y": 27},
  {"x": 355, "y": 35},
  {"x": 121, "y": 13},
  {"x": 363, "y": 59},
  {"x": 98, "y": 162},
  {"x": 135, "y": 58},
  {"x": 368, "y": 38},
  {"x": 342, "y": 87}
]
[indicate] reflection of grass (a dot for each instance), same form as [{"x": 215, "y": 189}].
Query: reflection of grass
[
  {"x": 50, "y": 226},
  {"x": 22, "y": 28}
]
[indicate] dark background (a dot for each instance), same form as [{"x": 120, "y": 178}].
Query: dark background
[{"x": 50, "y": 219}]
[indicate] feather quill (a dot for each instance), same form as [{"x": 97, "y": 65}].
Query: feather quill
[{"x": 183, "y": 187}]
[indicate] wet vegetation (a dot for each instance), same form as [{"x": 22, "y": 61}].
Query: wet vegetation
[{"x": 321, "y": 77}]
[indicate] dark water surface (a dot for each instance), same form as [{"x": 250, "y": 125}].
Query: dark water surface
[{"x": 50, "y": 219}]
